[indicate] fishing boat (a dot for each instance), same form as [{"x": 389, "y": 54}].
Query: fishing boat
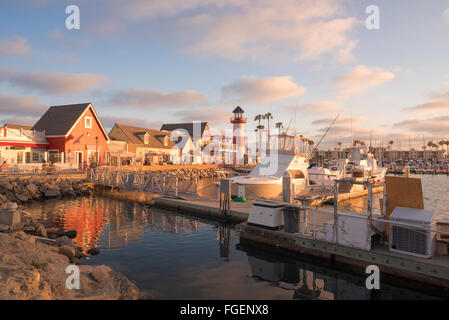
[
  {"x": 265, "y": 180},
  {"x": 360, "y": 166}
]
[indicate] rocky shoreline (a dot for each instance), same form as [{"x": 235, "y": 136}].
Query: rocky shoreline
[
  {"x": 24, "y": 189},
  {"x": 34, "y": 258}
]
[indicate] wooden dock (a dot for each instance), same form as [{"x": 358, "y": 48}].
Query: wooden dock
[{"x": 426, "y": 274}]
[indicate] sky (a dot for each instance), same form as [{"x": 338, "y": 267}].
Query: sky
[{"x": 144, "y": 63}]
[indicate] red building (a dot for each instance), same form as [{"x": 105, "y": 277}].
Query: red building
[{"x": 74, "y": 133}]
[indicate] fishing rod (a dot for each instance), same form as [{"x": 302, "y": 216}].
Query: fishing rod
[{"x": 325, "y": 133}]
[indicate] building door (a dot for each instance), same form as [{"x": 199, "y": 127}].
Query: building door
[
  {"x": 79, "y": 158},
  {"x": 19, "y": 157}
]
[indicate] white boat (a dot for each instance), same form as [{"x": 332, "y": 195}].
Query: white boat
[
  {"x": 361, "y": 166},
  {"x": 265, "y": 180}
]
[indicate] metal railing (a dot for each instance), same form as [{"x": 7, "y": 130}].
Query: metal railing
[{"x": 152, "y": 182}]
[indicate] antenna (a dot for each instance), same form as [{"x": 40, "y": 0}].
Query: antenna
[{"x": 319, "y": 142}]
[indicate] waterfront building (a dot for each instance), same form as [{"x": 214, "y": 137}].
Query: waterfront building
[
  {"x": 75, "y": 135},
  {"x": 151, "y": 146},
  {"x": 384, "y": 153},
  {"x": 20, "y": 145}
]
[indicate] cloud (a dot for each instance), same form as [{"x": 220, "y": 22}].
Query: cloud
[
  {"x": 439, "y": 102},
  {"x": 52, "y": 83},
  {"x": 254, "y": 30},
  {"x": 20, "y": 106},
  {"x": 153, "y": 99},
  {"x": 236, "y": 29},
  {"x": 109, "y": 121},
  {"x": 446, "y": 14},
  {"x": 436, "y": 125},
  {"x": 214, "y": 116},
  {"x": 15, "y": 45},
  {"x": 319, "y": 108},
  {"x": 360, "y": 79},
  {"x": 429, "y": 107},
  {"x": 249, "y": 89}
]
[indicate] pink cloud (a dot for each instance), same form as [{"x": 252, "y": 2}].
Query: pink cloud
[
  {"x": 360, "y": 79},
  {"x": 250, "y": 89},
  {"x": 52, "y": 83},
  {"x": 15, "y": 45},
  {"x": 153, "y": 99}
]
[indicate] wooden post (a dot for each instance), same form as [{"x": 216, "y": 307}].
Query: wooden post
[
  {"x": 336, "y": 211},
  {"x": 287, "y": 193},
  {"x": 225, "y": 196}
]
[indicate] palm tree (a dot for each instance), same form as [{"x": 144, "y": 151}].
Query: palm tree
[
  {"x": 390, "y": 143},
  {"x": 447, "y": 147},
  {"x": 268, "y": 116},
  {"x": 279, "y": 126},
  {"x": 259, "y": 117}
]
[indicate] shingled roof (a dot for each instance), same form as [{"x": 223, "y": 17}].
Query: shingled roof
[
  {"x": 183, "y": 126},
  {"x": 135, "y": 135},
  {"x": 58, "y": 120}
]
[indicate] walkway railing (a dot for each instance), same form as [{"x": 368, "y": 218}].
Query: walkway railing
[{"x": 152, "y": 182}]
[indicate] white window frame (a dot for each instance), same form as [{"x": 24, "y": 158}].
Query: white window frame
[{"x": 85, "y": 123}]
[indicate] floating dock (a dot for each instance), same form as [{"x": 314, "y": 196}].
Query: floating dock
[{"x": 426, "y": 274}]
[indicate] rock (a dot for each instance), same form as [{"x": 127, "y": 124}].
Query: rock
[
  {"x": 29, "y": 229},
  {"x": 52, "y": 193},
  {"x": 93, "y": 251},
  {"x": 19, "y": 235},
  {"x": 64, "y": 240},
  {"x": 3, "y": 198},
  {"x": 53, "y": 231},
  {"x": 41, "y": 231},
  {"x": 6, "y": 184},
  {"x": 68, "y": 251},
  {"x": 71, "y": 234},
  {"x": 17, "y": 226},
  {"x": 32, "y": 188},
  {"x": 34, "y": 271},
  {"x": 21, "y": 197},
  {"x": 4, "y": 227}
]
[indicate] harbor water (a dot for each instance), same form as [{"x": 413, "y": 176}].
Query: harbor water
[{"x": 174, "y": 256}]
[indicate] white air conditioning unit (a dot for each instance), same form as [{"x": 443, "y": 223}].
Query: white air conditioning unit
[
  {"x": 412, "y": 233},
  {"x": 267, "y": 214}
]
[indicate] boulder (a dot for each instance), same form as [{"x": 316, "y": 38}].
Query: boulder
[
  {"x": 68, "y": 251},
  {"x": 41, "y": 231},
  {"x": 6, "y": 184},
  {"x": 52, "y": 193},
  {"x": 93, "y": 251},
  {"x": 22, "y": 197},
  {"x": 32, "y": 188}
]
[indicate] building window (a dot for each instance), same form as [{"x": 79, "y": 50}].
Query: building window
[
  {"x": 88, "y": 122},
  {"x": 27, "y": 157},
  {"x": 146, "y": 138},
  {"x": 35, "y": 157},
  {"x": 53, "y": 156}
]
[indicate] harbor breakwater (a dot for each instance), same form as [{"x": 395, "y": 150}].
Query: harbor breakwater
[{"x": 28, "y": 188}]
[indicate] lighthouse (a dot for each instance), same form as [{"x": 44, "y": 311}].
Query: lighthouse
[{"x": 238, "y": 139}]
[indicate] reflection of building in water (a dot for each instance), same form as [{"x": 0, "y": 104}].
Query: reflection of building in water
[
  {"x": 224, "y": 237},
  {"x": 308, "y": 281},
  {"x": 88, "y": 220}
]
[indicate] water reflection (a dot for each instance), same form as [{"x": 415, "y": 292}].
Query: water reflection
[
  {"x": 308, "y": 281},
  {"x": 180, "y": 257}
]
